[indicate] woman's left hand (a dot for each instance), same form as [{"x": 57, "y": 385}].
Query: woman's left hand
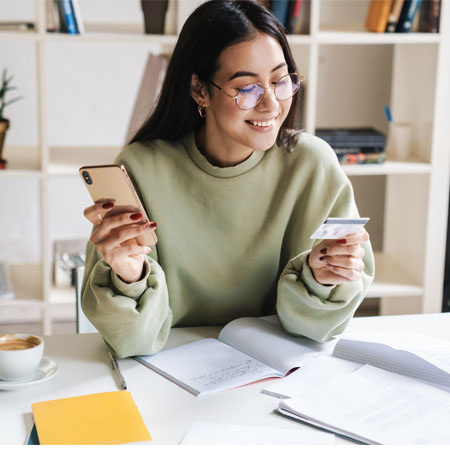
[{"x": 336, "y": 261}]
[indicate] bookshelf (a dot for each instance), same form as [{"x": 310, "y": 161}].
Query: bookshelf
[{"x": 350, "y": 75}]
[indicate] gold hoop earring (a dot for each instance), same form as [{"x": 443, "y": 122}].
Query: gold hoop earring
[{"x": 201, "y": 110}]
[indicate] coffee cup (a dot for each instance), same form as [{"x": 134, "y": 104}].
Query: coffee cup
[{"x": 20, "y": 355}]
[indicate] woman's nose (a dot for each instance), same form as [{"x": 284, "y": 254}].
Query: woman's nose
[{"x": 269, "y": 102}]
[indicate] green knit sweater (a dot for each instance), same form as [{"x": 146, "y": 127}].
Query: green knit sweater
[{"x": 233, "y": 242}]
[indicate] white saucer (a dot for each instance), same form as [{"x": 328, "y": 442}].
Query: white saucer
[{"x": 47, "y": 369}]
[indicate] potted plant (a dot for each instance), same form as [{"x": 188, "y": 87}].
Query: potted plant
[{"x": 4, "y": 123}]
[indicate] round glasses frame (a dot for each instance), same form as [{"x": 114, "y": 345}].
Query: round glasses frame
[{"x": 235, "y": 97}]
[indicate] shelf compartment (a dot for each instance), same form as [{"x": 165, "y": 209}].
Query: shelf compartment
[
  {"x": 391, "y": 281},
  {"x": 22, "y": 159},
  {"x": 67, "y": 160},
  {"x": 27, "y": 284}
]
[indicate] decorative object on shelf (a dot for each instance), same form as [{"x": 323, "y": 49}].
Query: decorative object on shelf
[
  {"x": 6, "y": 286},
  {"x": 154, "y": 15},
  {"x": 68, "y": 255},
  {"x": 4, "y": 122}
]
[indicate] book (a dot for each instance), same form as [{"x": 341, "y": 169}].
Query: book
[
  {"x": 95, "y": 419},
  {"x": 292, "y": 15},
  {"x": 406, "y": 19},
  {"x": 66, "y": 17},
  {"x": 148, "y": 92},
  {"x": 353, "y": 138},
  {"x": 51, "y": 16},
  {"x": 429, "y": 16},
  {"x": 406, "y": 353},
  {"x": 394, "y": 16},
  {"x": 77, "y": 15},
  {"x": 378, "y": 15},
  {"x": 247, "y": 350},
  {"x": 280, "y": 9}
]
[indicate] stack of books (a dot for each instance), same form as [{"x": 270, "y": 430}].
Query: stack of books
[
  {"x": 403, "y": 16},
  {"x": 355, "y": 145}
]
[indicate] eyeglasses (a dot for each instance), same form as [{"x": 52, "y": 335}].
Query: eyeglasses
[{"x": 251, "y": 95}]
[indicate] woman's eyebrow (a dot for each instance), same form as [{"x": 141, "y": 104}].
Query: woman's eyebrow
[{"x": 252, "y": 74}]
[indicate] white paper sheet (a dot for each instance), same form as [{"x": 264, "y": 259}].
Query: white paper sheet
[
  {"x": 229, "y": 434},
  {"x": 321, "y": 370},
  {"x": 379, "y": 407}
]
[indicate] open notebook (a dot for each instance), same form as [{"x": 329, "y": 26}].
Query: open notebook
[{"x": 247, "y": 350}]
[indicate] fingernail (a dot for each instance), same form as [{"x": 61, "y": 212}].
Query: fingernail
[
  {"x": 108, "y": 205},
  {"x": 136, "y": 216},
  {"x": 147, "y": 249},
  {"x": 321, "y": 258},
  {"x": 153, "y": 224},
  {"x": 341, "y": 241},
  {"x": 323, "y": 251}
]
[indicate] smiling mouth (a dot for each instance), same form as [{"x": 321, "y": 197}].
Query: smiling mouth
[{"x": 262, "y": 124}]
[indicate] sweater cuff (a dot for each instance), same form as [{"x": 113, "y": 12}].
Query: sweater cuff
[
  {"x": 313, "y": 286},
  {"x": 132, "y": 290}
]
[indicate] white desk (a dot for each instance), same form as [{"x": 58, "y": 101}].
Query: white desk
[{"x": 167, "y": 409}]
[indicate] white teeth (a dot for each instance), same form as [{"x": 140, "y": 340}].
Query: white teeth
[{"x": 262, "y": 124}]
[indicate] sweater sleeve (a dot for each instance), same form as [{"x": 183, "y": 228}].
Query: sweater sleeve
[
  {"x": 308, "y": 308},
  {"x": 133, "y": 319}
]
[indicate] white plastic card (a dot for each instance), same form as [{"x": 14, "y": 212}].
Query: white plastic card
[{"x": 339, "y": 227}]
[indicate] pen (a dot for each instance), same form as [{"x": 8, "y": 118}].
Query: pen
[{"x": 115, "y": 368}]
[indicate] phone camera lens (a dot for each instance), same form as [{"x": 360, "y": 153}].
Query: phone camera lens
[{"x": 86, "y": 177}]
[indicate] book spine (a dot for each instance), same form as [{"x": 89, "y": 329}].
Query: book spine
[
  {"x": 69, "y": 17},
  {"x": 78, "y": 18},
  {"x": 280, "y": 11},
  {"x": 394, "y": 16},
  {"x": 407, "y": 15},
  {"x": 293, "y": 13},
  {"x": 378, "y": 15},
  {"x": 429, "y": 15}
]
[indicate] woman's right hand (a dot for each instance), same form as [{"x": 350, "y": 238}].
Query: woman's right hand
[{"x": 114, "y": 238}]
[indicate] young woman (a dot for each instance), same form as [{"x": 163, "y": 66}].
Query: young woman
[{"x": 236, "y": 194}]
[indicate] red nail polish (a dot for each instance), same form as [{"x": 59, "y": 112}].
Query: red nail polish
[
  {"x": 154, "y": 224},
  {"x": 136, "y": 216},
  {"x": 341, "y": 241},
  {"x": 323, "y": 251},
  {"x": 108, "y": 205}
]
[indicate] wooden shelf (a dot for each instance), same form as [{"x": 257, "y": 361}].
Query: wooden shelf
[
  {"x": 357, "y": 35},
  {"x": 387, "y": 168},
  {"x": 67, "y": 160}
]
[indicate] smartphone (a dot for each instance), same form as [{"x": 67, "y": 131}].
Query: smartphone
[{"x": 111, "y": 183}]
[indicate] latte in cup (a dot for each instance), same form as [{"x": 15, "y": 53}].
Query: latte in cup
[{"x": 20, "y": 355}]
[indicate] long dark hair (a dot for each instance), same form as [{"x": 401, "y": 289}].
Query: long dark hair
[{"x": 212, "y": 27}]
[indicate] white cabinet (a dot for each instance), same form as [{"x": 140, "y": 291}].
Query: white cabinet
[{"x": 350, "y": 75}]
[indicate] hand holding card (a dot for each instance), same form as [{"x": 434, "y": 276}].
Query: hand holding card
[{"x": 338, "y": 258}]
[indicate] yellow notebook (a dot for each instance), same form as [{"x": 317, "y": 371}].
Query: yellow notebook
[{"x": 95, "y": 419}]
